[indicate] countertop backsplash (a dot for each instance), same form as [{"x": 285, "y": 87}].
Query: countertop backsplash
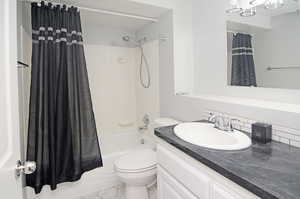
[{"x": 281, "y": 134}]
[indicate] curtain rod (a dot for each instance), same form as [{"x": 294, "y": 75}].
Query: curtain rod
[
  {"x": 236, "y": 32},
  {"x": 102, "y": 11}
]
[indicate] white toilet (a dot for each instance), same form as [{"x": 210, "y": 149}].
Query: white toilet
[{"x": 137, "y": 169}]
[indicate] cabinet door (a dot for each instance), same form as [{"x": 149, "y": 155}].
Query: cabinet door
[
  {"x": 166, "y": 191},
  {"x": 193, "y": 179},
  {"x": 221, "y": 192},
  {"x": 170, "y": 188}
]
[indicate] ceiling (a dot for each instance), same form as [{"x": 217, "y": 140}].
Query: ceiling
[{"x": 123, "y": 6}]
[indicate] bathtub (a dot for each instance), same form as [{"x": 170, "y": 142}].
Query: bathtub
[{"x": 100, "y": 183}]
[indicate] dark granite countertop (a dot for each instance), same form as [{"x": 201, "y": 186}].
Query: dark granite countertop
[{"x": 271, "y": 171}]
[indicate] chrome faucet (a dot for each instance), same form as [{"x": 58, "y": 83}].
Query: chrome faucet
[
  {"x": 230, "y": 124},
  {"x": 146, "y": 121},
  {"x": 221, "y": 123},
  {"x": 217, "y": 120}
]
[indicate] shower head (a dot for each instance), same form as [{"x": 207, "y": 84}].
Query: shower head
[
  {"x": 131, "y": 41},
  {"x": 126, "y": 38},
  {"x": 139, "y": 42}
]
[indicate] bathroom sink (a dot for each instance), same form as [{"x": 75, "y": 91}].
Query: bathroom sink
[{"x": 205, "y": 135}]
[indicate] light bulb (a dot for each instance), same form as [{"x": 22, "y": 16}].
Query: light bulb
[
  {"x": 249, "y": 12},
  {"x": 273, "y": 4},
  {"x": 257, "y": 2}
]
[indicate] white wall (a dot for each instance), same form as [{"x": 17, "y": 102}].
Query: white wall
[
  {"x": 104, "y": 35},
  {"x": 278, "y": 47},
  {"x": 112, "y": 82}
]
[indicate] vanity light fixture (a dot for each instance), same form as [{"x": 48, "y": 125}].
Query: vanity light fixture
[
  {"x": 247, "y": 8},
  {"x": 243, "y": 7},
  {"x": 274, "y": 4},
  {"x": 269, "y": 4},
  {"x": 234, "y": 6},
  {"x": 257, "y": 2},
  {"x": 249, "y": 12},
  {"x": 234, "y": 10}
]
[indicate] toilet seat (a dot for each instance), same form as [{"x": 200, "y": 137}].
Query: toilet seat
[
  {"x": 135, "y": 171},
  {"x": 136, "y": 161}
]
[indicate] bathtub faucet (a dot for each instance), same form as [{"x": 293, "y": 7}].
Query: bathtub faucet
[
  {"x": 146, "y": 121},
  {"x": 143, "y": 128}
]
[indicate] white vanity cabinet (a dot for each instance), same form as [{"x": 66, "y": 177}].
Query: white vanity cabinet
[
  {"x": 182, "y": 177},
  {"x": 169, "y": 187},
  {"x": 220, "y": 192}
]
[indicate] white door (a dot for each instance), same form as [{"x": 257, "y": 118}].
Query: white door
[{"x": 10, "y": 185}]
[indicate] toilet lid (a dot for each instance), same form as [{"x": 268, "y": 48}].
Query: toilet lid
[{"x": 137, "y": 160}]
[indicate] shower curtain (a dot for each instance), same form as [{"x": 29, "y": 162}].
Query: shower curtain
[
  {"x": 62, "y": 135},
  {"x": 243, "y": 68}
]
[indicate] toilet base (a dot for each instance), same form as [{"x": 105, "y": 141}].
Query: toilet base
[{"x": 136, "y": 192}]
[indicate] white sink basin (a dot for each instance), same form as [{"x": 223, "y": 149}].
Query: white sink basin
[{"x": 205, "y": 135}]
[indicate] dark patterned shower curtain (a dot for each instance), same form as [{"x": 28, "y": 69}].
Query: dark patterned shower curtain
[
  {"x": 243, "y": 68},
  {"x": 62, "y": 135}
]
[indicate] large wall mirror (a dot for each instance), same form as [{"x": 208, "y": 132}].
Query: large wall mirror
[{"x": 263, "y": 43}]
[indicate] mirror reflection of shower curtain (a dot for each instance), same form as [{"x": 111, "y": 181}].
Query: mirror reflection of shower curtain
[
  {"x": 243, "y": 68},
  {"x": 62, "y": 134}
]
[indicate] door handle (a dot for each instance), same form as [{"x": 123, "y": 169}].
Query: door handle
[{"x": 27, "y": 167}]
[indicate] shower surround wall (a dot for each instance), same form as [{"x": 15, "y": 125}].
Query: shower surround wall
[
  {"x": 112, "y": 76},
  {"x": 119, "y": 101}
]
